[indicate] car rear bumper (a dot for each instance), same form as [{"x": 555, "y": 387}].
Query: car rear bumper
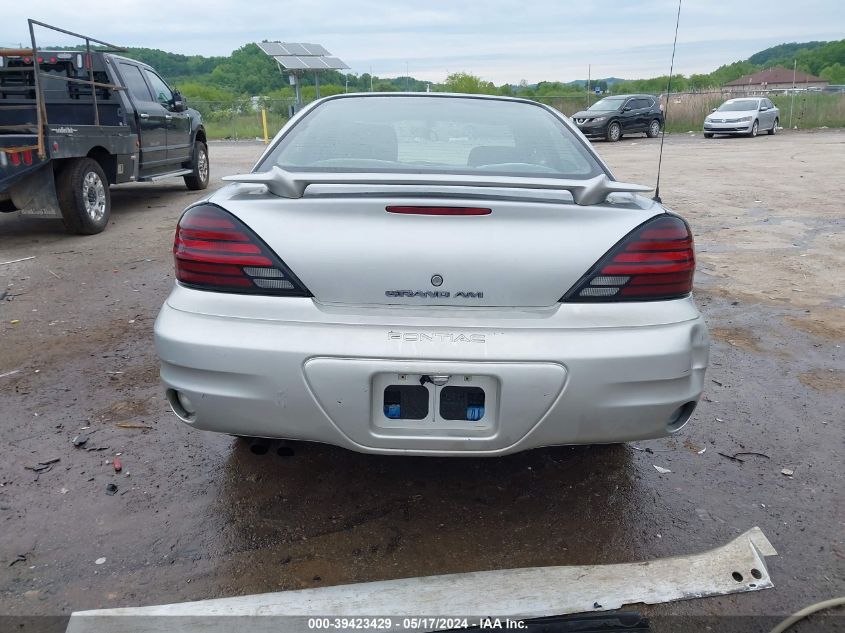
[{"x": 568, "y": 374}]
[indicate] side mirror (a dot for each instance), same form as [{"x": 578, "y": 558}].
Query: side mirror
[
  {"x": 763, "y": 108},
  {"x": 627, "y": 109},
  {"x": 713, "y": 110},
  {"x": 178, "y": 101}
]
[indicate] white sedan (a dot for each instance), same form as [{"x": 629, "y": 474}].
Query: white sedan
[
  {"x": 746, "y": 116},
  {"x": 432, "y": 274}
]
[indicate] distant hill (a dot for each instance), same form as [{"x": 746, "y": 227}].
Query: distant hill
[
  {"x": 776, "y": 54},
  {"x": 247, "y": 71}
]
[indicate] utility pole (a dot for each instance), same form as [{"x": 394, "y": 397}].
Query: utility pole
[
  {"x": 589, "y": 78},
  {"x": 407, "y": 79},
  {"x": 371, "y": 78}
]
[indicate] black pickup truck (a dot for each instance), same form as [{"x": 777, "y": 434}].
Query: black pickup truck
[{"x": 74, "y": 122}]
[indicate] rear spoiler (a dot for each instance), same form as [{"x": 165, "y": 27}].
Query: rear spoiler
[{"x": 286, "y": 184}]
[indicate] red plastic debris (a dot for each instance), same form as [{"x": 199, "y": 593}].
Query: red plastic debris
[{"x": 117, "y": 465}]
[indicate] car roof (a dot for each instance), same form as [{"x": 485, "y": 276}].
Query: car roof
[{"x": 121, "y": 58}]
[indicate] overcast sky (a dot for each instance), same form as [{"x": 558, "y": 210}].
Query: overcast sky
[{"x": 500, "y": 40}]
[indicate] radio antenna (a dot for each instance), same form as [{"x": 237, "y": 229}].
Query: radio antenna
[{"x": 666, "y": 110}]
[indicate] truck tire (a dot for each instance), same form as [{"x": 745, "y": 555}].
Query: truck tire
[
  {"x": 84, "y": 197},
  {"x": 199, "y": 168}
]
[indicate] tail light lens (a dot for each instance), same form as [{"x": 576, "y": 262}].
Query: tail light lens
[
  {"x": 655, "y": 261},
  {"x": 216, "y": 251}
]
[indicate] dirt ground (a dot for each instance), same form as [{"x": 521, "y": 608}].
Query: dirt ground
[{"x": 199, "y": 515}]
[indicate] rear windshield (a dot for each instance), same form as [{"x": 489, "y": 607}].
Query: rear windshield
[
  {"x": 455, "y": 135},
  {"x": 738, "y": 106}
]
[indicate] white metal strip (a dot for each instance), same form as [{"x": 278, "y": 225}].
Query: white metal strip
[{"x": 736, "y": 567}]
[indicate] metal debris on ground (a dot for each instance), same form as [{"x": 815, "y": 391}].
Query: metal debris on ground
[
  {"x": 44, "y": 466},
  {"x": 10, "y": 373},
  {"x": 80, "y": 440},
  {"x": 736, "y": 567},
  {"x": 788, "y": 472},
  {"x": 111, "y": 489},
  {"x": 662, "y": 470},
  {"x": 132, "y": 425},
  {"x": 735, "y": 457},
  {"x": 100, "y": 561},
  {"x": 15, "y": 261},
  {"x": 20, "y": 558}
]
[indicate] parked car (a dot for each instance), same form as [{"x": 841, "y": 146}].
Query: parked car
[
  {"x": 407, "y": 295},
  {"x": 612, "y": 117},
  {"x": 746, "y": 115},
  {"x": 90, "y": 121}
]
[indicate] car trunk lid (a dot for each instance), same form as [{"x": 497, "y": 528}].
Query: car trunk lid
[{"x": 346, "y": 247}]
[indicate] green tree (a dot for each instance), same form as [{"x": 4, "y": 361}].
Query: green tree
[
  {"x": 835, "y": 74},
  {"x": 248, "y": 71},
  {"x": 468, "y": 84},
  {"x": 202, "y": 91}
]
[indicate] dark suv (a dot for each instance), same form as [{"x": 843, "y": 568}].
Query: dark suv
[{"x": 614, "y": 116}]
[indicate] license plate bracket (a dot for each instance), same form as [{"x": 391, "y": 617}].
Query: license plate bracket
[{"x": 454, "y": 402}]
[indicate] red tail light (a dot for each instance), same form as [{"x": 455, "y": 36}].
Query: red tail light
[
  {"x": 655, "y": 261},
  {"x": 216, "y": 251}
]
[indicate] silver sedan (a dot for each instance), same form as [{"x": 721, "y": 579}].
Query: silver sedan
[
  {"x": 431, "y": 274},
  {"x": 747, "y": 116}
]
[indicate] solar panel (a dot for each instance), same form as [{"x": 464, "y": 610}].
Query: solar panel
[
  {"x": 290, "y": 62},
  {"x": 334, "y": 63},
  {"x": 316, "y": 49},
  {"x": 272, "y": 48},
  {"x": 314, "y": 63},
  {"x": 295, "y": 49},
  {"x": 302, "y": 56}
]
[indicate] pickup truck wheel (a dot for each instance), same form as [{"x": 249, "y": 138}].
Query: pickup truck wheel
[
  {"x": 6, "y": 206},
  {"x": 199, "y": 168},
  {"x": 84, "y": 197}
]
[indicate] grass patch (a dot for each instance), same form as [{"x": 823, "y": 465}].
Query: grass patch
[{"x": 224, "y": 125}]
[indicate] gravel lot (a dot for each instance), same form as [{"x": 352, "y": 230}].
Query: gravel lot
[{"x": 199, "y": 515}]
